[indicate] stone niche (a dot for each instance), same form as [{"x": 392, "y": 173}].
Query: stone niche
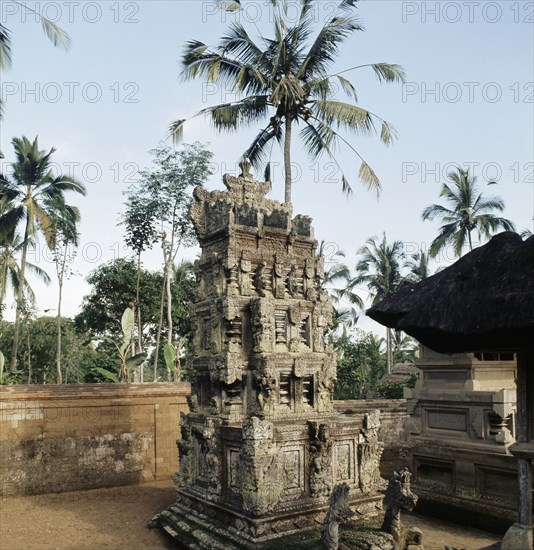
[
  {"x": 262, "y": 446},
  {"x": 462, "y": 415}
]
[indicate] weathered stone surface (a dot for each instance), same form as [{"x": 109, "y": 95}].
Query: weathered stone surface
[
  {"x": 460, "y": 434},
  {"x": 263, "y": 446},
  {"x": 77, "y": 437}
]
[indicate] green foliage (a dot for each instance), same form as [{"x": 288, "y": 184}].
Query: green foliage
[
  {"x": 163, "y": 196},
  {"x": 395, "y": 390},
  {"x": 289, "y": 79},
  {"x": 30, "y": 199},
  {"x": 469, "y": 211},
  {"x": 37, "y": 351},
  {"x": 360, "y": 366},
  {"x": 170, "y": 357},
  {"x": 113, "y": 286}
]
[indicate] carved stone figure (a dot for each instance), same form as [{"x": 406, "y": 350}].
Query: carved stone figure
[
  {"x": 338, "y": 512},
  {"x": 263, "y": 319},
  {"x": 321, "y": 458},
  {"x": 245, "y": 268},
  {"x": 292, "y": 283},
  {"x": 279, "y": 288},
  {"x": 259, "y": 278},
  {"x": 399, "y": 497}
]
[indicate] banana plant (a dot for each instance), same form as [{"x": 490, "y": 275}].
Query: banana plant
[
  {"x": 171, "y": 354},
  {"x": 127, "y": 363}
]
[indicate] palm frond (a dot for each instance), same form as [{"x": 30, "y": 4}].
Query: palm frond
[
  {"x": 176, "y": 130},
  {"x": 368, "y": 176},
  {"x": 344, "y": 115},
  {"x": 435, "y": 210},
  {"x": 388, "y": 134},
  {"x": 257, "y": 150},
  {"x": 5, "y": 48},
  {"x": 55, "y": 34},
  {"x": 348, "y": 87},
  {"x": 229, "y": 116},
  {"x": 325, "y": 48},
  {"x": 387, "y": 72}
]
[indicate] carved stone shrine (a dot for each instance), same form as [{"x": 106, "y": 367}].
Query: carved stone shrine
[
  {"x": 461, "y": 427},
  {"x": 262, "y": 446}
]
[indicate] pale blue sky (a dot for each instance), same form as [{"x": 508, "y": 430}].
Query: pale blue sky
[{"x": 476, "y": 56}]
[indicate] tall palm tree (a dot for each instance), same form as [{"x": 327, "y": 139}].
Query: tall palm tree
[
  {"x": 351, "y": 304},
  {"x": 418, "y": 268},
  {"x": 379, "y": 267},
  {"x": 10, "y": 271},
  {"x": 290, "y": 80},
  {"x": 404, "y": 347},
  {"x": 469, "y": 210},
  {"x": 28, "y": 198}
]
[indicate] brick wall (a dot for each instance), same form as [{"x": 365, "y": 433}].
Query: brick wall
[{"x": 74, "y": 437}]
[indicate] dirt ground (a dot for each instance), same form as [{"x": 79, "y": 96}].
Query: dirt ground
[{"x": 116, "y": 518}]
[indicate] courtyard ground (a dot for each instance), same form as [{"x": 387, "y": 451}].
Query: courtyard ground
[{"x": 116, "y": 518}]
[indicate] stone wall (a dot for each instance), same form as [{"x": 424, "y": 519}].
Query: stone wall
[
  {"x": 393, "y": 419},
  {"x": 76, "y": 437}
]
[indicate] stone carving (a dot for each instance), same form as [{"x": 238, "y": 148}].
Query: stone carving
[
  {"x": 245, "y": 268},
  {"x": 399, "y": 497},
  {"x": 265, "y": 383},
  {"x": 184, "y": 476},
  {"x": 260, "y": 483},
  {"x": 279, "y": 287},
  {"x": 321, "y": 458},
  {"x": 263, "y": 318},
  {"x": 292, "y": 282},
  {"x": 259, "y": 278},
  {"x": 258, "y": 446},
  {"x": 211, "y": 456},
  {"x": 338, "y": 512},
  {"x": 327, "y": 375},
  {"x": 369, "y": 452}
]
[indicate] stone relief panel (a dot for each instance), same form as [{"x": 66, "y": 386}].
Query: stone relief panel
[{"x": 344, "y": 453}]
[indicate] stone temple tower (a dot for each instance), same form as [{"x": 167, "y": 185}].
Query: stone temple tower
[{"x": 262, "y": 446}]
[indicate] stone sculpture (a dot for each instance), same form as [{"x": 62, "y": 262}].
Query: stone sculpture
[
  {"x": 338, "y": 512},
  {"x": 399, "y": 497},
  {"x": 262, "y": 436}
]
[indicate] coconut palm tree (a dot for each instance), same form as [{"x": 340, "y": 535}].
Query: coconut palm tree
[
  {"x": 379, "y": 267},
  {"x": 28, "y": 199},
  {"x": 404, "y": 347},
  {"x": 10, "y": 271},
  {"x": 351, "y": 304},
  {"x": 418, "y": 268},
  {"x": 469, "y": 210},
  {"x": 289, "y": 79}
]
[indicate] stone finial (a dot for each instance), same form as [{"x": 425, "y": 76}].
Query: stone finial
[{"x": 245, "y": 166}]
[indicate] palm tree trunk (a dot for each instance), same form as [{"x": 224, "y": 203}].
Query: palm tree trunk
[
  {"x": 16, "y": 327},
  {"x": 287, "y": 161},
  {"x": 29, "y": 352},
  {"x": 389, "y": 350},
  {"x": 470, "y": 242}
]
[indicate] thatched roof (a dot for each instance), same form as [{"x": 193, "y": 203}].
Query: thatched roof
[
  {"x": 485, "y": 300},
  {"x": 400, "y": 372}
]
